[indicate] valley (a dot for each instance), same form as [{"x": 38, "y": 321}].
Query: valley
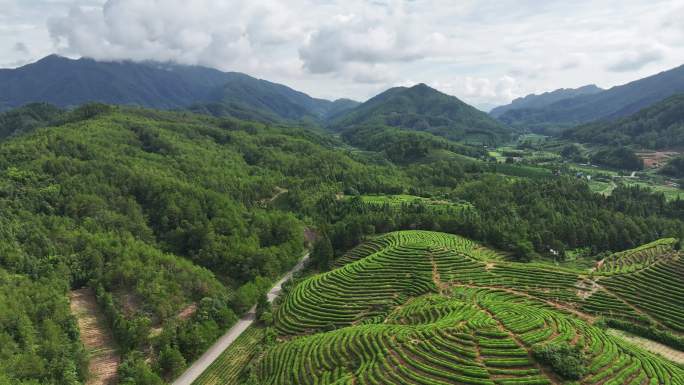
[{"x": 165, "y": 220}]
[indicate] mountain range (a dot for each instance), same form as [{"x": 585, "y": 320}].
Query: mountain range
[
  {"x": 610, "y": 104},
  {"x": 66, "y": 82},
  {"x": 545, "y": 99},
  {"x": 656, "y": 127}
]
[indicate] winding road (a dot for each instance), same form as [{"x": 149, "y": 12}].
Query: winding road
[{"x": 202, "y": 363}]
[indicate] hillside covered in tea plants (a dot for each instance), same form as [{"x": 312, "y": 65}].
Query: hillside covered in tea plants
[{"x": 417, "y": 307}]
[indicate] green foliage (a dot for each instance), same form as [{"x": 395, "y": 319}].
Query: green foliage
[
  {"x": 262, "y": 305},
  {"x": 27, "y": 118},
  {"x": 658, "y": 126},
  {"x": 135, "y": 371},
  {"x": 171, "y": 362},
  {"x": 651, "y": 332},
  {"x": 504, "y": 212},
  {"x": 413, "y": 306},
  {"x": 156, "y": 211},
  {"x": 402, "y": 146},
  {"x": 524, "y": 251},
  {"x": 566, "y": 360},
  {"x": 674, "y": 167},
  {"x": 322, "y": 253},
  {"x": 38, "y": 338},
  {"x": 620, "y": 158},
  {"x": 574, "y": 152}
]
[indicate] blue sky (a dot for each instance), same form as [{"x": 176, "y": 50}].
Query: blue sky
[{"x": 484, "y": 52}]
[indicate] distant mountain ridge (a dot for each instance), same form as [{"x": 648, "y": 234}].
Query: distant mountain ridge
[
  {"x": 545, "y": 99},
  {"x": 67, "y": 82},
  {"x": 659, "y": 126},
  {"x": 421, "y": 108},
  {"x": 610, "y": 104}
]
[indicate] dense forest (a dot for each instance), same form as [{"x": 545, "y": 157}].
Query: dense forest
[
  {"x": 618, "y": 157},
  {"x": 154, "y": 211},
  {"x": 158, "y": 210},
  {"x": 656, "y": 127},
  {"x": 674, "y": 167},
  {"x": 526, "y": 217}
]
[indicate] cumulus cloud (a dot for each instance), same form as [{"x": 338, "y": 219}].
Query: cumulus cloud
[
  {"x": 482, "y": 51},
  {"x": 383, "y": 35},
  {"x": 211, "y": 32}
]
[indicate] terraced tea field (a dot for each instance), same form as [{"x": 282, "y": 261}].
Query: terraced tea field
[
  {"x": 230, "y": 365},
  {"x": 416, "y": 307}
]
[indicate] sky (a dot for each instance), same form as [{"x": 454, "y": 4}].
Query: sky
[{"x": 486, "y": 52}]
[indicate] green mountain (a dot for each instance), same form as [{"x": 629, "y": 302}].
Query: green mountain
[
  {"x": 542, "y": 100},
  {"x": 421, "y": 108},
  {"x": 656, "y": 127},
  {"x": 67, "y": 83},
  {"x": 611, "y": 104}
]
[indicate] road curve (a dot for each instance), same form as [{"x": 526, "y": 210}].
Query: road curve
[{"x": 202, "y": 363}]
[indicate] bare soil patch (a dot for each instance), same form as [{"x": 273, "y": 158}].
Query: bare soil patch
[
  {"x": 653, "y": 159},
  {"x": 96, "y": 337}
]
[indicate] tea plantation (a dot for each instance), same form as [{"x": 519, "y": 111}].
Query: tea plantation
[{"x": 419, "y": 307}]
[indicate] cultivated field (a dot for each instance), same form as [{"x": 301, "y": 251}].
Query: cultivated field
[
  {"x": 228, "y": 368},
  {"x": 416, "y": 307}
]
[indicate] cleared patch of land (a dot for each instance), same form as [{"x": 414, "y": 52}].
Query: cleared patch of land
[
  {"x": 96, "y": 336},
  {"x": 654, "y": 159}
]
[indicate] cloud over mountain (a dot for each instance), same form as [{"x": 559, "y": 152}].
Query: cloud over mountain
[{"x": 489, "y": 52}]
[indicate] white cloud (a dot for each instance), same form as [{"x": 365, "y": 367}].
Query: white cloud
[
  {"x": 482, "y": 51},
  {"x": 637, "y": 59}
]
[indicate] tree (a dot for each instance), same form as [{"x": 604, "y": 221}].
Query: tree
[
  {"x": 263, "y": 305},
  {"x": 523, "y": 251},
  {"x": 135, "y": 371},
  {"x": 322, "y": 253},
  {"x": 171, "y": 362}
]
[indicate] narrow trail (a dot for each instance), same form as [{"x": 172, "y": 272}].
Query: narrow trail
[
  {"x": 436, "y": 278},
  {"x": 96, "y": 337},
  {"x": 202, "y": 363}
]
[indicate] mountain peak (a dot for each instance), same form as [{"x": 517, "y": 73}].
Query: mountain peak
[{"x": 423, "y": 108}]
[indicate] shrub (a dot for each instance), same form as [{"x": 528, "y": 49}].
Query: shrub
[{"x": 566, "y": 360}]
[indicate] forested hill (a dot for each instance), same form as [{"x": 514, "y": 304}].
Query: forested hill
[
  {"x": 545, "y": 99},
  {"x": 616, "y": 102},
  {"x": 656, "y": 127},
  {"x": 156, "y": 211},
  {"x": 65, "y": 82},
  {"x": 422, "y": 108}
]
